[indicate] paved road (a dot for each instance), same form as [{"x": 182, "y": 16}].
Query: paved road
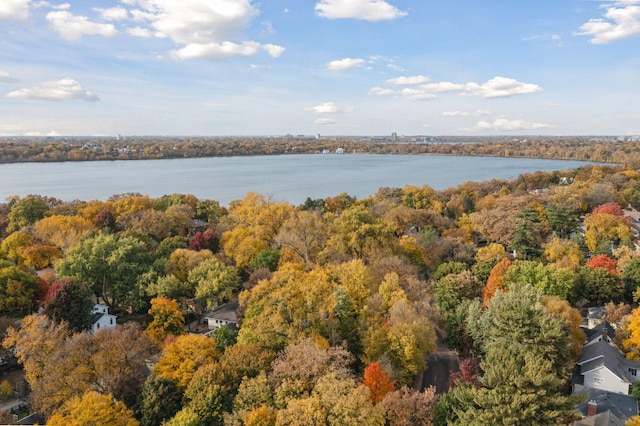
[{"x": 440, "y": 364}]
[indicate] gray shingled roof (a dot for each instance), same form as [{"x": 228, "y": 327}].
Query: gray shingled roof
[
  {"x": 603, "y": 354},
  {"x": 597, "y": 331},
  {"x": 226, "y": 312},
  {"x": 621, "y": 407}
]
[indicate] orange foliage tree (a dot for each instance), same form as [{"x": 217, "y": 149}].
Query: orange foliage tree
[
  {"x": 605, "y": 262},
  {"x": 495, "y": 279},
  {"x": 377, "y": 381},
  {"x": 609, "y": 208}
]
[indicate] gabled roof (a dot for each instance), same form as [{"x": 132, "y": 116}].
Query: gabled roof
[
  {"x": 596, "y": 331},
  {"x": 226, "y": 312},
  {"x": 620, "y": 407},
  {"x": 602, "y": 354}
]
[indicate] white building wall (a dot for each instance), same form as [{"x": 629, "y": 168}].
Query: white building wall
[{"x": 604, "y": 379}]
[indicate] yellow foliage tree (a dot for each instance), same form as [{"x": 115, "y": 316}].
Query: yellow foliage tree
[
  {"x": 491, "y": 252},
  {"x": 182, "y": 261},
  {"x": 39, "y": 256},
  {"x": 62, "y": 231},
  {"x": 93, "y": 409},
  {"x": 565, "y": 253},
  {"x": 602, "y": 227},
  {"x": 182, "y": 358},
  {"x": 632, "y": 343},
  {"x": 167, "y": 320}
]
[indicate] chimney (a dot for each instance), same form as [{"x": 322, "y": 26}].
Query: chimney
[
  {"x": 592, "y": 408},
  {"x": 605, "y": 333}
]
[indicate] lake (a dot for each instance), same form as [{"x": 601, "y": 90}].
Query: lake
[{"x": 290, "y": 178}]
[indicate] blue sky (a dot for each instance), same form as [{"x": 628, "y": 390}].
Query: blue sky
[{"x": 334, "y": 67}]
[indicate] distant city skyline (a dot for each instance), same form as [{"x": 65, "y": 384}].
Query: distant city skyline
[{"x": 329, "y": 67}]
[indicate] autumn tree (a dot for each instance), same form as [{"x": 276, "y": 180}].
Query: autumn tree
[
  {"x": 303, "y": 236},
  {"x": 182, "y": 358},
  {"x": 93, "y": 409},
  {"x": 565, "y": 253},
  {"x": 213, "y": 281},
  {"x": 204, "y": 240},
  {"x": 27, "y": 211},
  {"x": 18, "y": 290},
  {"x": 632, "y": 330},
  {"x": 70, "y": 301},
  {"x": 408, "y": 407},
  {"x": 603, "y": 229},
  {"x": 605, "y": 262},
  {"x": 377, "y": 381},
  {"x": 495, "y": 279},
  {"x": 62, "y": 231},
  {"x": 450, "y": 290},
  {"x": 34, "y": 342},
  {"x": 334, "y": 400},
  {"x": 10, "y": 247},
  {"x": 167, "y": 320},
  {"x": 597, "y": 285}
]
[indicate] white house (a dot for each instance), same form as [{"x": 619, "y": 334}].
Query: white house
[
  {"x": 603, "y": 367},
  {"x": 223, "y": 315},
  {"x": 101, "y": 318}
]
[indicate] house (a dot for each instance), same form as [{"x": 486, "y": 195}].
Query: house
[
  {"x": 601, "y": 332},
  {"x": 605, "y": 408},
  {"x": 223, "y": 315},
  {"x": 101, "y": 318},
  {"x": 594, "y": 316},
  {"x": 604, "y": 367}
]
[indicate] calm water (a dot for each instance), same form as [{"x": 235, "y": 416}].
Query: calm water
[{"x": 290, "y": 178}]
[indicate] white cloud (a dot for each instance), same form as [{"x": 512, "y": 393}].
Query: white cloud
[
  {"x": 443, "y": 86},
  {"x": 6, "y": 78},
  {"x": 140, "y": 32},
  {"x": 395, "y": 67},
  {"x": 112, "y": 13},
  {"x": 325, "y": 121},
  {"x": 380, "y": 91},
  {"x": 620, "y": 21},
  {"x": 14, "y": 9},
  {"x": 51, "y": 133},
  {"x": 495, "y": 88},
  {"x": 325, "y": 108},
  {"x": 60, "y": 90},
  {"x": 555, "y": 39},
  {"x": 408, "y": 81},
  {"x": 367, "y": 10},
  {"x": 204, "y": 29},
  {"x": 73, "y": 27},
  {"x": 504, "y": 124},
  {"x": 476, "y": 113},
  {"x": 500, "y": 87},
  {"x": 345, "y": 64},
  {"x": 226, "y": 49},
  {"x": 417, "y": 94}
]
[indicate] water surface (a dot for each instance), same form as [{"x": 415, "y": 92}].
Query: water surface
[{"x": 290, "y": 178}]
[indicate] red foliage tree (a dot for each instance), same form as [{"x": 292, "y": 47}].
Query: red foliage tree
[
  {"x": 495, "y": 280},
  {"x": 605, "y": 262},
  {"x": 204, "y": 240},
  {"x": 609, "y": 208},
  {"x": 377, "y": 381},
  {"x": 468, "y": 372}
]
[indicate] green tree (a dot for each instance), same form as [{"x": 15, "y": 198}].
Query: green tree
[
  {"x": 27, "y": 211},
  {"x": 110, "y": 265},
  {"x": 597, "y": 286},
  {"x": 160, "y": 399},
  {"x": 214, "y": 281},
  {"x": 18, "y": 290}
]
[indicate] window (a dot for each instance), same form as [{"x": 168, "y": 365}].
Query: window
[
  {"x": 111, "y": 320},
  {"x": 633, "y": 371}
]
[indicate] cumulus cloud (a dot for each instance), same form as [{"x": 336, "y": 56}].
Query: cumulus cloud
[
  {"x": 73, "y": 27},
  {"x": 367, "y": 10},
  {"x": 345, "y": 64},
  {"x": 6, "y": 78},
  {"x": 60, "y": 90},
  {"x": 476, "y": 113},
  {"x": 204, "y": 29},
  {"x": 497, "y": 87},
  {"x": 113, "y": 13},
  {"x": 325, "y": 108},
  {"x": 140, "y": 32},
  {"x": 504, "y": 124},
  {"x": 621, "y": 20},
  {"x": 17, "y": 10},
  {"x": 381, "y": 91},
  {"x": 409, "y": 81},
  {"x": 417, "y": 94}
]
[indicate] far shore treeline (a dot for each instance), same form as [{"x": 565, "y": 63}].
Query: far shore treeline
[{"x": 50, "y": 149}]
